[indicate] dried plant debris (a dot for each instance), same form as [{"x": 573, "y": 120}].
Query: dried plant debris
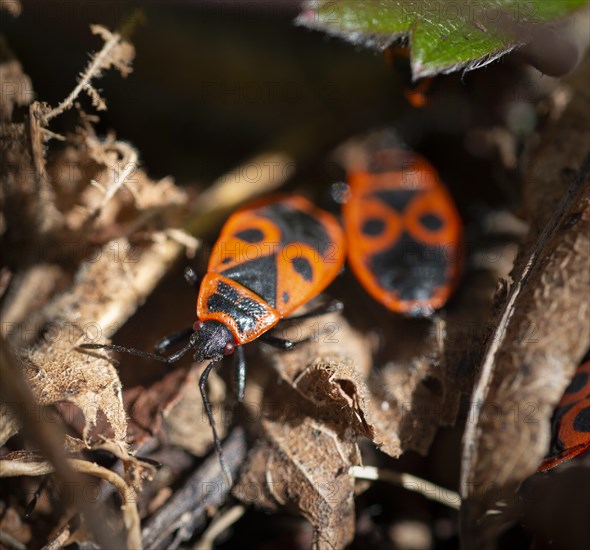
[
  {"x": 199, "y": 497},
  {"x": 86, "y": 237},
  {"x": 103, "y": 234},
  {"x": 304, "y": 463},
  {"x": 540, "y": 336},
  {"x": 30, "y": 464},
  {"x": 85, "y": 224},
  {"x": 14, "y": 7},
  {"x": 326, "y": 398},
  {"x": 72, "y": 221}
]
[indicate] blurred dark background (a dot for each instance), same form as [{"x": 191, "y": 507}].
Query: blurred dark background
[
  {"x": 217, "y": 82},
  {"x": 213, "y": 82}
]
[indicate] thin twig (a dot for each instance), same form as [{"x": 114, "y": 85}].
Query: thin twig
[
  {"x": 256, "y": 176},
  {"x": 129, "y": 159},
  {"x": 59, "y": 539},
  {"x": 411, "y": 483},
  {"x": 91, "y": 72},
  {"x": 218, "y": 526},
  {"x": 12, "y": 468},
  {"x": 9, "y": 541},
  {"x": 188, "y": 509}
]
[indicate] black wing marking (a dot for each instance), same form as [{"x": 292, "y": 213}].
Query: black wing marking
[
  {"x": 260, "y": 274},
  {"x": 297, "y": 227},
  {"x": 398, "y": 199},
  {"x": 409, "y": 268}
]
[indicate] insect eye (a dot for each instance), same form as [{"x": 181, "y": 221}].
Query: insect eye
[
  {"x": 198, "y": 325},
  {"x": 228, "y": 349}
]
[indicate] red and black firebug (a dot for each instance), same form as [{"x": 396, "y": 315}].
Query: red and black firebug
[
  {"x": 570, "y": 426},
  {"x": 403, "y": 231},
  {"x": 272, "y": 256}
]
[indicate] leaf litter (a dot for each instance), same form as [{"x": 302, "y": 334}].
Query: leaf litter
[{"x": 310, "y": 408}]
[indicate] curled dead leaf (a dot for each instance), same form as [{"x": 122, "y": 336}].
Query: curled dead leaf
[
  {"x": 305, "y": 464},
  {"x": 540, "y": 334}
]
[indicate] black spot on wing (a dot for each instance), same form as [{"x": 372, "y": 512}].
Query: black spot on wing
[
  {"x": 578, "y": 382},
  {"x": 250, "y": 235},
  {"x": 582, "y": 421},
  {"x": 398, "y": 199},
  {"x": 246, "y": 312},
  {"x": 409, "y": 268},
  {"x": 297, "y": 226},
  {"x": 431, "y": 221},
  {"x": 303, "y": 267},
  {"x": 258, "y": 275},
  {"x": 285, "y": 297},
  {"x": 373, "y": 227}
]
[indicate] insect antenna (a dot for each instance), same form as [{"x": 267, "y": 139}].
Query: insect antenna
[
  {"x": 216, "y": 440},
  {"x": 146, "y": 355}
]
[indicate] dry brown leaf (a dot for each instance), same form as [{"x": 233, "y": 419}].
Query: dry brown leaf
[
  {"x": 312, "y": 420},
  {"x": 91, "y": 385},
  {"x": 10, "y": 423},
  {"x": 541, "y": 331},
  {"x": 386, "y": 404},
  {"x": 104, "y": 295},
  {"x": 304, "y": 463},
  {"x": 311, "y": 413}
]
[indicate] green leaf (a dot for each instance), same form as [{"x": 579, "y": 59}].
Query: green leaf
[{"x": 444, "y": 35}]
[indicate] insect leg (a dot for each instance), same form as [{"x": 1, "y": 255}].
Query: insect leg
[
  {"x": 332, "y": 306},
  {"x": 281, "y": 343},
  {"x": 286, "y": 344},
  {"x": 240, "y": 366},
  {"x": 172, "y": 339},
  {"x": 207, "y": 405},
  {"x": 36, "y": 496}
]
